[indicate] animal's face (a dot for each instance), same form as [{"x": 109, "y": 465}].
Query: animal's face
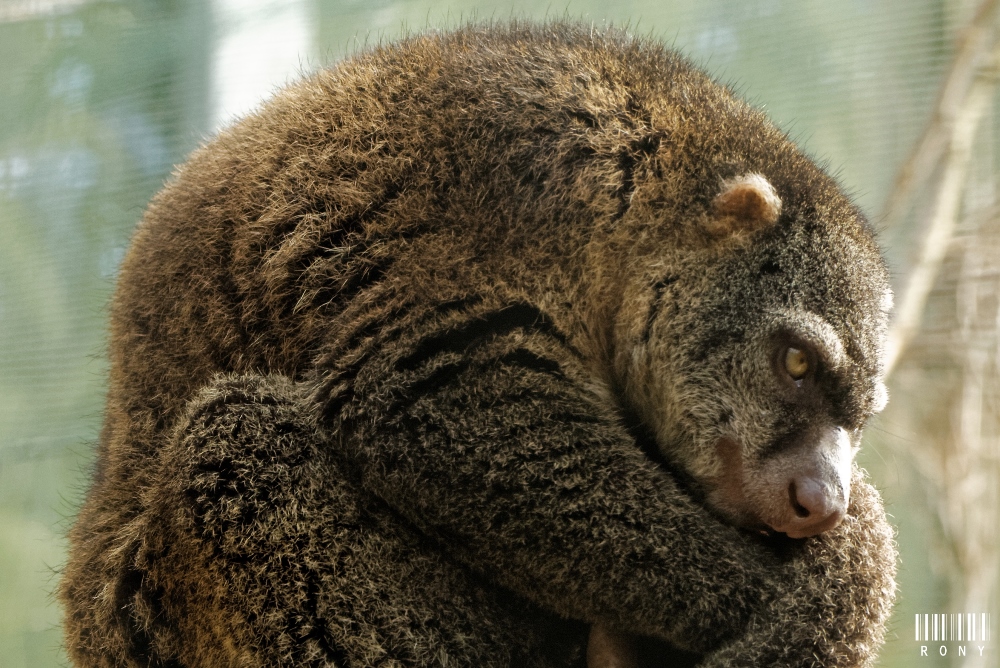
[
  {"x": 789, "y": 407},
  {"x": 759, "y": 364}
]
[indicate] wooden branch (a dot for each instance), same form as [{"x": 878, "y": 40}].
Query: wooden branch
[
  {"x": 957, "y": 130},
  {"x": 976, "y": 40}
]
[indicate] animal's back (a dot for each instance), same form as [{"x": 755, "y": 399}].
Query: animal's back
[{"x": 406, "y": 172}]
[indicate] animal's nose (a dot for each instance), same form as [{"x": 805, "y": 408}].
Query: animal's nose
[{"x": 817, "y": 505}]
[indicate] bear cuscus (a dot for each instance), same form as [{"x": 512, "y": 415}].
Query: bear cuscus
[{"x": 479, "y": 344}]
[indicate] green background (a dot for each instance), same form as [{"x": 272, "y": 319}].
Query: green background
[{"x": 98, "y": 100}]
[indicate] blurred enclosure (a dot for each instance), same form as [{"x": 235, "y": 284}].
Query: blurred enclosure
[{"x": 99, "y": 99}]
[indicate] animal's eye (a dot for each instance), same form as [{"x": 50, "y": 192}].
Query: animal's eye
[{"x": 796, "y": 363}]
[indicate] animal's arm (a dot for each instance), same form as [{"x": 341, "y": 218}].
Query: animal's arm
[
  {"x": 831, "y": 596},
  {"x": 255, "y": 550},
  {"x": 486, "y": 437}
]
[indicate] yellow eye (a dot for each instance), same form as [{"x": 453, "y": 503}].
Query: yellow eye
[{"x": 796, "y": 363}]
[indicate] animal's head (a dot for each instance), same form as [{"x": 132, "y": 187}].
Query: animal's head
[{"x": 755, "y": 354}]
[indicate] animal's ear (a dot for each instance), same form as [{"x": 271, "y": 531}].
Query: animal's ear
[{"x": 744, "y": 204}]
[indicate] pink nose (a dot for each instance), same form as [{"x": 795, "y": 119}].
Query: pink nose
[{"x": 818, "y": 507}]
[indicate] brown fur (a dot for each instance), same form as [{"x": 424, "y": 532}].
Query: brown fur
[{"x": 426, "y": 362}]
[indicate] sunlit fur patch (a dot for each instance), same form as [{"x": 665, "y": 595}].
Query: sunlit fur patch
[
  {"x": 843, "y": 461},
  {"x": 881, "y": 397},
  {"x": 887, "y": 301}
]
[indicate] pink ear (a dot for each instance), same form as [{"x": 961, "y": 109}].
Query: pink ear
[{"x": 746, "y": 203}]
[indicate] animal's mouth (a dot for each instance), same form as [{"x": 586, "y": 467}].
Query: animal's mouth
[{"x": 812, "y": 530}]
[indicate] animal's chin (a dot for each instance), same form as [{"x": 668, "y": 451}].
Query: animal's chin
[
  {"x": 815, "y": 529},
  {"x": 748, "y": 521}
]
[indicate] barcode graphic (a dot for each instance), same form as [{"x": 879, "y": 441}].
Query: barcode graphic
[{"x": 964, "y": 627}]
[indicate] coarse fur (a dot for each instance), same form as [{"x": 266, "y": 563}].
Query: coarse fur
[{"x": 466, "y": 344}]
